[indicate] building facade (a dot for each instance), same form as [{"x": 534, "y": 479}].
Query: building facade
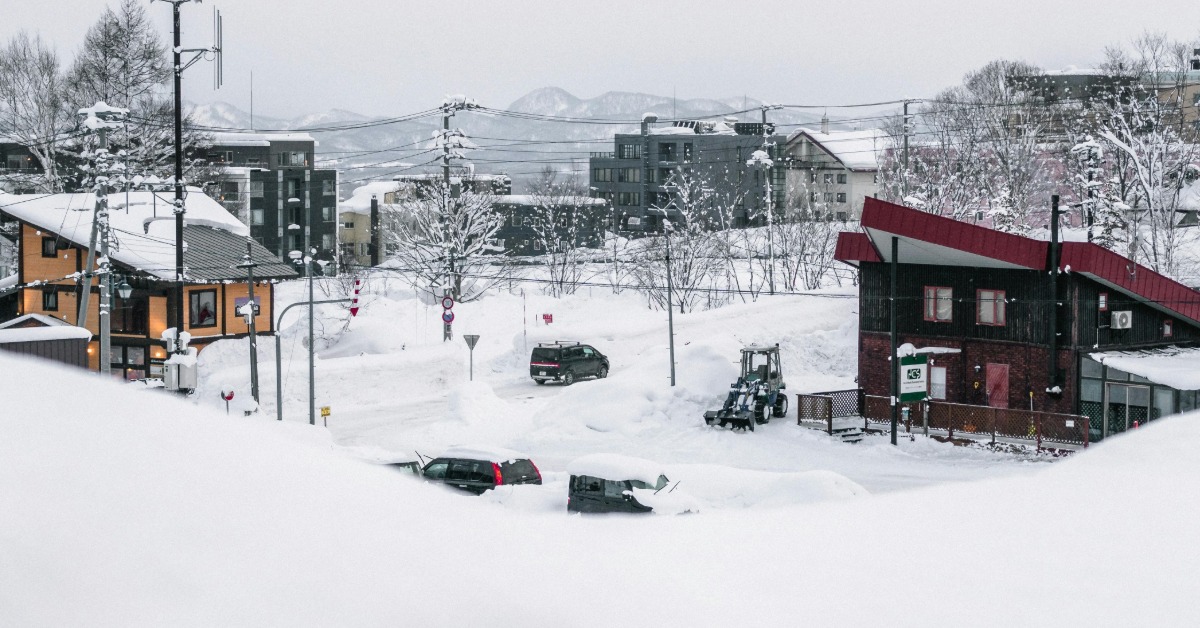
[
  {"x": 635, "y": 178},
  {"x": 830, "y": 173},
  {"x": 983, "y": 305},
  {"x": 271, "y": 183}
]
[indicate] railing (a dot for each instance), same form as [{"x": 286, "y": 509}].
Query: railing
[
  {"x": 603, "y": 155},
  {"x": 824, "y": 407},
  {"x": 977, "y": 422}
]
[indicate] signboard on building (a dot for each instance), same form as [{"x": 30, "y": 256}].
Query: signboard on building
[{"x": 914, "y": 377}]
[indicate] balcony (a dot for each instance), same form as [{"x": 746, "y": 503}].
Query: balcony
[{"x": 608, "y": 155}]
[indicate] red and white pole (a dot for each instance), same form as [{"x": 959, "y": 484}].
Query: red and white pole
[{"x": 354, "y": 303}]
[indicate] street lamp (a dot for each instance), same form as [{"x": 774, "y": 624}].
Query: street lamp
[
  {"x": 307, "y": 258},
  {"x": 670, "y": 289},
  {"x": 124, "y": 290}
]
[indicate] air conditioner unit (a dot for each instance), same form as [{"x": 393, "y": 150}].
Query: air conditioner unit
[{"x": 1122, "y": 319}]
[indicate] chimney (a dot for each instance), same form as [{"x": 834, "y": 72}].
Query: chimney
[{"x": 825, "y": 124}]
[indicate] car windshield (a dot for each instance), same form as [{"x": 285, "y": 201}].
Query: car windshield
[{"x": 658, "y": 486}]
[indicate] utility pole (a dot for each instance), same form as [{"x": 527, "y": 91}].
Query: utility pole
[
  {"x": 100, "y": 118},
  {"x": 451, "y": 106},
  {"x": 178, "y": 67},
  {"x": 893, "y": 359},
  {"x": 308, "y": 272},
  {"x": 768, "y": 168},
  {"x": 376, "y": 234},
  {"x": 670, "y": 295},
  {"x": 249, "y": 265},
  {"x": 904, "y": 178}
]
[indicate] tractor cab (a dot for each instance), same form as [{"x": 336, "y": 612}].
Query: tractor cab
[{"x": 761, "y": 364}]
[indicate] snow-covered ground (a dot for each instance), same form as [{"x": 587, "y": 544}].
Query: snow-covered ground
[{"x": 125, "y": 506}]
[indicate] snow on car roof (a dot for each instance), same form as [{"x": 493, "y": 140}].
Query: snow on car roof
[
  {"x": 477, "y": 452},
  {"x": 616, "y": 467}
]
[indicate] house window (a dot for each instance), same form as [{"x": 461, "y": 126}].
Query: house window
[
  {"x": 327, "y": 214},
  {"x": 256, "y": 189},
  {"x": 203, "y": 308},
  {"x": 629, "y": 175},
  {"x": 49, "y": 247},
  {"x": 327, "y": 187},
  {"x": 629, "y": 198},
  {"x": 829, "y": 197},
  {"x": 602, "y": 175},
  {"x": 327, "y": 241},
  {"x": 50, "y": 299},
  {"x": 841, "y": 197},
  {"x": 130, "y": 316},
  {"x": 666, "y": 152},
  {"x": 664, "y": 174},
  {"x": 939, "y": 304},
  {"x": 841, "y": 178},
  {"x": 828, "y": 178},
  {"x": 650, "y": 175},
  {"x": 1168, "y": 328},
  {"x": 629, "y": 151},
  {"x": 989, "y": 307},
  {"x": 349, "y": 224},
  {"x": 1102, "y": 302},
  {"x": 256, "y": 216}
]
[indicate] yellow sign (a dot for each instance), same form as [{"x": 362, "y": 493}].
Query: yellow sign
[{"x": 324, "y": 410}]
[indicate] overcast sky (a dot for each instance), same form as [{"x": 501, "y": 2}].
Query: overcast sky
[{"x": 390, "y": 57}]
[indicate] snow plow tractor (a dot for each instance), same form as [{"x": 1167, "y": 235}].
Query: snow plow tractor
[{"x": 757, "y": 395}]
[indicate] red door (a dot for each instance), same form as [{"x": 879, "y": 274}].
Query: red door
[{"x": 997, "y": 385}]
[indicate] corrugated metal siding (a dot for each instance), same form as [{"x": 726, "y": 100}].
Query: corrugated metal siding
[{"x": 855, "y": 247}]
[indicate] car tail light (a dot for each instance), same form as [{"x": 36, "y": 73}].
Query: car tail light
[
  {"x": 535, "y": 470},
  {"x": 552, "y": 365},
  {"x": 496, "y": 471}
]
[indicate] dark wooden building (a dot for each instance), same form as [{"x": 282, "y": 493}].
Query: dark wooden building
[
  {"x": 987, "y": 309},
  {"x": 45, "y": 337}
]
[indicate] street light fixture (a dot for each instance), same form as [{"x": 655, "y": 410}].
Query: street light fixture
[{"x": 124, "y": 290}]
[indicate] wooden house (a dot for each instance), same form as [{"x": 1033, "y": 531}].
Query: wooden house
[
  {"x": 987, "y": 309},
  {"x": 54, "y": 234}
]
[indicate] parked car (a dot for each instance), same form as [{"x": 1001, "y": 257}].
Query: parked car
[
  {"x": 476, "y": 470},
  {"x": 566, "y": 362},
  {"x": 606, "y": 483}
]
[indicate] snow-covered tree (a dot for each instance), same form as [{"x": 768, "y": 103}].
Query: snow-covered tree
[
  {"x": 694, "y": 261},
  {"x": 804, "y": 252},
  {"x": 563, "y": 217},
  {"x": 33, "y": 109},
  {"x": 448, "y": 241},
  {"x": 124, "y": 63}
]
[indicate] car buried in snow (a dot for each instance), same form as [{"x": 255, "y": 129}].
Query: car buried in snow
[
  {"x": 606, "y": 483},
  {"x": 479, "y": 469}
]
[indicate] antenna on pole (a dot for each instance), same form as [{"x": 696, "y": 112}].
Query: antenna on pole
[{"x": 218, "y": 49}]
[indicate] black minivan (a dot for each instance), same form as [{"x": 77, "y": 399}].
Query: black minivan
[
  {"x": 566, "y": 362},
  {"x": 479, "y": 470}
]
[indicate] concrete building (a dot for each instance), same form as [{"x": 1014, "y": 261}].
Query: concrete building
[
  {"x": 634, "y": 177},
  {"x": 270, "y": 182}
]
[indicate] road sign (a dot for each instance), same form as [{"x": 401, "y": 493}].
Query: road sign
[
  {"x": 324, "y": 411},
  {"x": 227, "y": 395},
  {"x": 547, "y": 318},
  {"x": 447, "y": 302},
  {"x": 471, "y": 340},
  {"x": 448, "y": 316},
  {"x": 914, "y": 377}
]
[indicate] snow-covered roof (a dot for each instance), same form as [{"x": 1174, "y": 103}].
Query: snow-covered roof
[
  {"x": 360, "y": 199},
  {"x": 36, "y": 334},
  {"x": 671, "y": 130},
  {"x": 857, "y": 150},
  {"x": 45, "y": 321},
  {"x": 533, "y": 199},
  {"x": 1176, "y": 367},
  {"x": 143, "y": 231},
  {"x": 616, "y": 467},
  {"x": 8, "y": 282},
  {"x": 491, "y": 454},
  {"x": 223, "y": 138}
]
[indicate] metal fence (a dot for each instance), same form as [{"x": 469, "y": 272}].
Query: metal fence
[
  {"x": 845, "y": 402},
  {"x": 979, "y": 422}
]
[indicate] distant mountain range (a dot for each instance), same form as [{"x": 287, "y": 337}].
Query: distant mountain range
[{"x": 518, "y": 146}]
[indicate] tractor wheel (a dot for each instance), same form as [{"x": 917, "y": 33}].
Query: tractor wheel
[
  {"x": 568, "y": 378},
  {"x": 603, "y": 372},
  {"x": 760, "y": 414},
  {"x": 781, "y": 406}
]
